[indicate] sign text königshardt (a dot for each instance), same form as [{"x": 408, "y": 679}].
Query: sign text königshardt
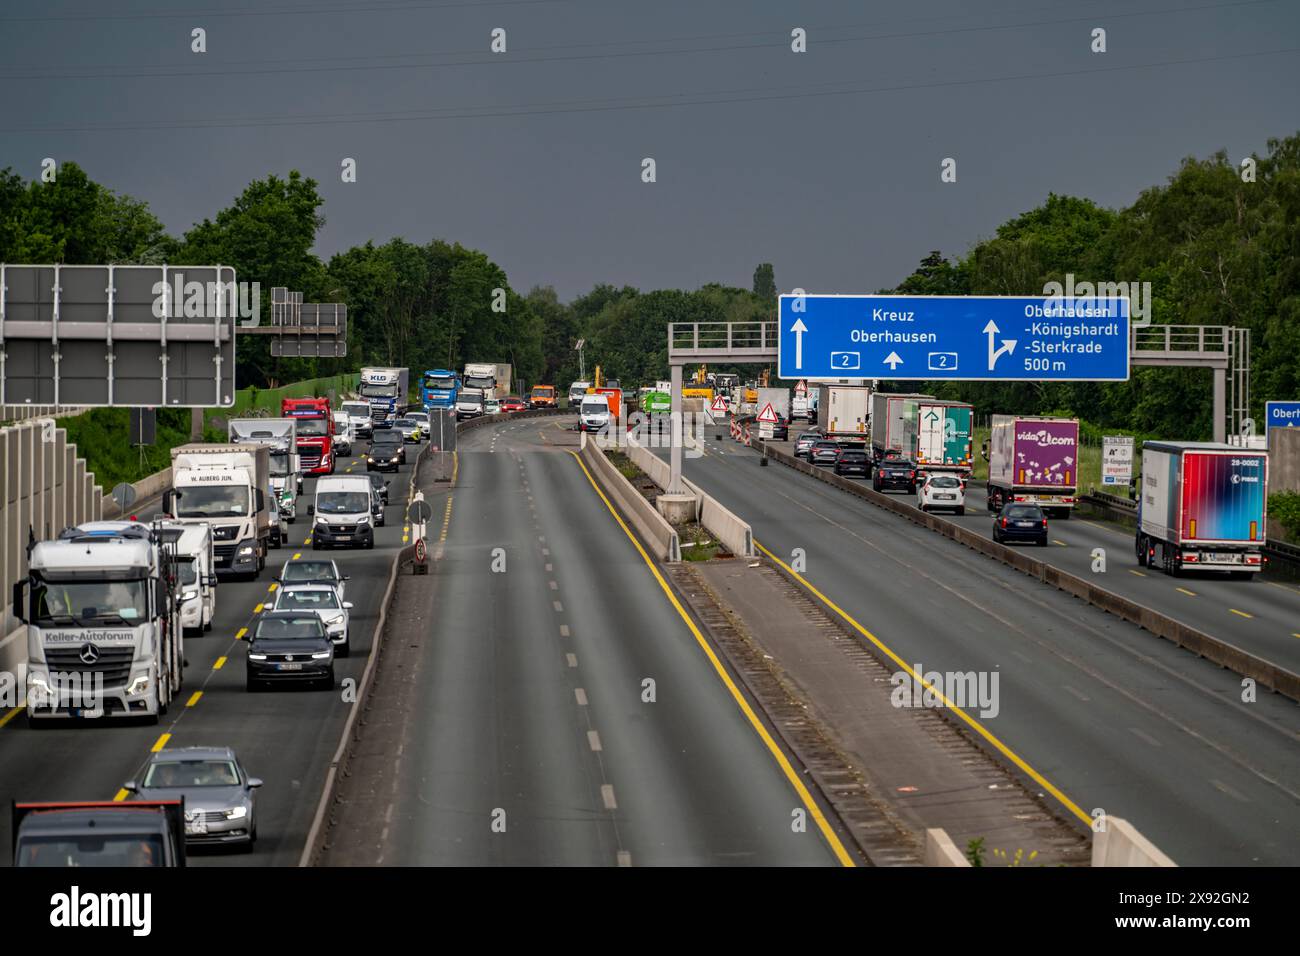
[{"x": 977, "y": 338}]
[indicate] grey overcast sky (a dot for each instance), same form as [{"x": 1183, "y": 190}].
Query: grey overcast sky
[{"x": 825, "y": 163}]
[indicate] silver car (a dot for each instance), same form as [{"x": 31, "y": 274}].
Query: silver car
[
  {"x": 314, "y": 571},
  {"x": 408, "y": 428},
  {"x": 218, "y": 793},
  {"x": 325, "y": 601}
]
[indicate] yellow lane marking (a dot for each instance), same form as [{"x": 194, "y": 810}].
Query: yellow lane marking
[
  {"x": 1283, "y": 587},
  {"x": 970, "y": 721},
  {"x": 18, "y": 710},
  {"x": 296, "y": 555},
  {"x": 160, "y": 743},
  {"x": 273, "y": 586},
  {"x": 1241, "y": 613},
  {"x": 121, "y": 795},
  {"x": 260, "y": 607},
  {"x": 1061, "y": 543},
  {"x": 1185, "y": 591},
  {"x": 1296, "y": 634},
  {"x": 194, "y": 698},
  {"x": 307, "y": 540},
  {"x": 1140, "y": 574},
  {"x": 239, "y": 635},
  {"x": 791, "y": 775},
  {"x": 221, "y": 662}
]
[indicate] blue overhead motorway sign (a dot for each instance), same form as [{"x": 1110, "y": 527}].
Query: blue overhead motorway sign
[
  {"x": 1281, "y": 415},
  {"x": 972, "y": 338}
]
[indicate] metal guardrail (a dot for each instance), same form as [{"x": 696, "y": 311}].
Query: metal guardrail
[
  {"x": 757, "y": 339},
  {"x": 1210, "y": 339}
]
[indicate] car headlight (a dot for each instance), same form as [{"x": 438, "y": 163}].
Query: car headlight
[
  {"x": 256, "y": 657},
  {"x": 189, "y": 595},
  {"x": 236, "y": 813},
  {"x": 336, "y": 619},
  {"x": 322, "y": 655},
  {"x": 140, "y": 685},
  {"x": 393, "y": 459},
  {"x": 246, "y": 549}
]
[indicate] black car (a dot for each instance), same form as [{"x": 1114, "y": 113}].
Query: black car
[
  {"x": 1021, "y": 522},
  {"x": 380, "y": 484},
  {"x": 387, "y": 453},
  {"x": 290, "y": 646},
  {"x": 852, "y": 461},
  {"x": 824, "y": 452},
  {"x": 894, "y": 473},
  {"x": 781, "y": 429}
]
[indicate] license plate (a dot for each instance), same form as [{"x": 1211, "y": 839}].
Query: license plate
[
  {"x": 1024, "y": 524},
  {"x": 1221, "y": 557},
  {"x": 344, "y": 537},
  {"x": 290, "y": 667},
  {"x": 945, "y": 497}
]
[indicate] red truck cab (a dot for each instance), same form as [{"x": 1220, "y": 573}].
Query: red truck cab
[{"x": 315, "y": 433}]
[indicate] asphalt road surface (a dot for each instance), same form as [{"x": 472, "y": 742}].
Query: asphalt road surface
[{"x": 1105, "y": 715}]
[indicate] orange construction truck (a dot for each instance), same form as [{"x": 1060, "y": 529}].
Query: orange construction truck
[{"x": 542, "y": 396}]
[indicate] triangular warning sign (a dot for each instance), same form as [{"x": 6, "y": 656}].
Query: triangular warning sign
[
  {"x": 801, "y": 388},
  {"x": 719, "y": 404},
  {"x": 768, "y": 414}
]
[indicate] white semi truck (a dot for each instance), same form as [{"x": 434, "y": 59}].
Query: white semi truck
[
  {"x": 196, "y": 572},
  {"x": 386, "y": 390},
  {"x": 492, "y": 379},
  {"x": 280, "y": 435},
  {"x": 226, "y": 486},
  {"x": 104, "y": 634}
]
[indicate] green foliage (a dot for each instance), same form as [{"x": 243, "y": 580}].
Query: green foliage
[
  {"x": 102, "y": 437},
  {"x": 975, "y": 851},
  {"x": 1285, "y": 507},
  {"x": 765, "y": 284}
]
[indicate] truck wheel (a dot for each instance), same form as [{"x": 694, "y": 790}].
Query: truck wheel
[
  {"x": 291, "y": 519},
  {"x": 961, "y": 510},
  {"x": 1141, "y": 547}
]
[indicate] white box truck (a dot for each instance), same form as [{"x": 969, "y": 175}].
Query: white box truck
[
  {"x": 1035, "y": 459},
  {"x": 103, "y": 633},
  {"x": 491, "y": 379},
  {"x": 1204, "y": 506},
  {"x": 844, "y": 412},
  {"x": 196, "y": 572},
  {"x": 358, "y": 413},
  {"x": 227, "y": 486},
  {"x": 280, "y": 435}
]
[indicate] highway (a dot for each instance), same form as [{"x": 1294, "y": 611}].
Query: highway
[
  {"x": 1261, "y": 616},
  {"x": 527, "y": 706},
  {"x": 1101, "y": 714},
  {"x": 286, "y": 736}
]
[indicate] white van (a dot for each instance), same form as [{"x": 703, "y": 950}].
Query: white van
[
  {"x": 343, "y": 513},
  {"x": 196, "y": 573},
  {"x": 344, "y": 431},
  {"x": 593, "y": 415}
]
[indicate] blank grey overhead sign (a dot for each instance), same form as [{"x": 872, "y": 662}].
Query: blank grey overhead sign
[{"x": 148, "y": 336}]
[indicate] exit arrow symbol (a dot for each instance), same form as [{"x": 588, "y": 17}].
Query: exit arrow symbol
[
  {"x": 1008, "y": 345},
  {"x": 798, "y": 329},
  {"x": 892, "y": 360}
]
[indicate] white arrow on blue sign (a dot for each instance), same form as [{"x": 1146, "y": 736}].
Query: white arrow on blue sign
[
  {"x": 963, "y": 338},
  {"x": 1282, "y": 415}
]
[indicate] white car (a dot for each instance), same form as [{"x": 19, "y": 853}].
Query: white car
[
  {"x": 941, "y": 492},
  {"x": 491, "y": 406},
  {"x": 324, "y": 600}
]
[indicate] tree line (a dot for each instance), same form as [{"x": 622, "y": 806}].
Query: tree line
[{"x": 1218, "y": 243}]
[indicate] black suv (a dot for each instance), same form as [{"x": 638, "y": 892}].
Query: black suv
[
  {"x": 852, "y": 461},
  {"x": 387, "y": 453},
  {"x": 290, "y": 646},
  {"x": 894, "y": 473}
]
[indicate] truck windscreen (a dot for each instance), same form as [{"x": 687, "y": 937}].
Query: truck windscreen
[
  {"x": 474, "y": 381},
  {"x": 125, "y": 849},
  {"x": 280, "y": 465},
  {"x": 89, "y": 602},
  {"x": 342, "y": 502},
  {"x": 440, "y": 382},
  {"x": 311, "y": 427},
  {"x": 377, "y": 391},
  {"x": 187, "y": 571},
  {"x": 212, "y": 501}
]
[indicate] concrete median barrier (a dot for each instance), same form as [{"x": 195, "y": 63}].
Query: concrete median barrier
[
  {"x": 1120, "y": 844},
  {"x": 1212, "y": 649},
  {"x": 941, "y": 851},
  {"x": 650, "y": 524}
]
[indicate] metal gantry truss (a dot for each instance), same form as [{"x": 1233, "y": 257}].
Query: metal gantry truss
[
  {"x": 304, "y": 329},
  {"x": 1224, "y": 349}
]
